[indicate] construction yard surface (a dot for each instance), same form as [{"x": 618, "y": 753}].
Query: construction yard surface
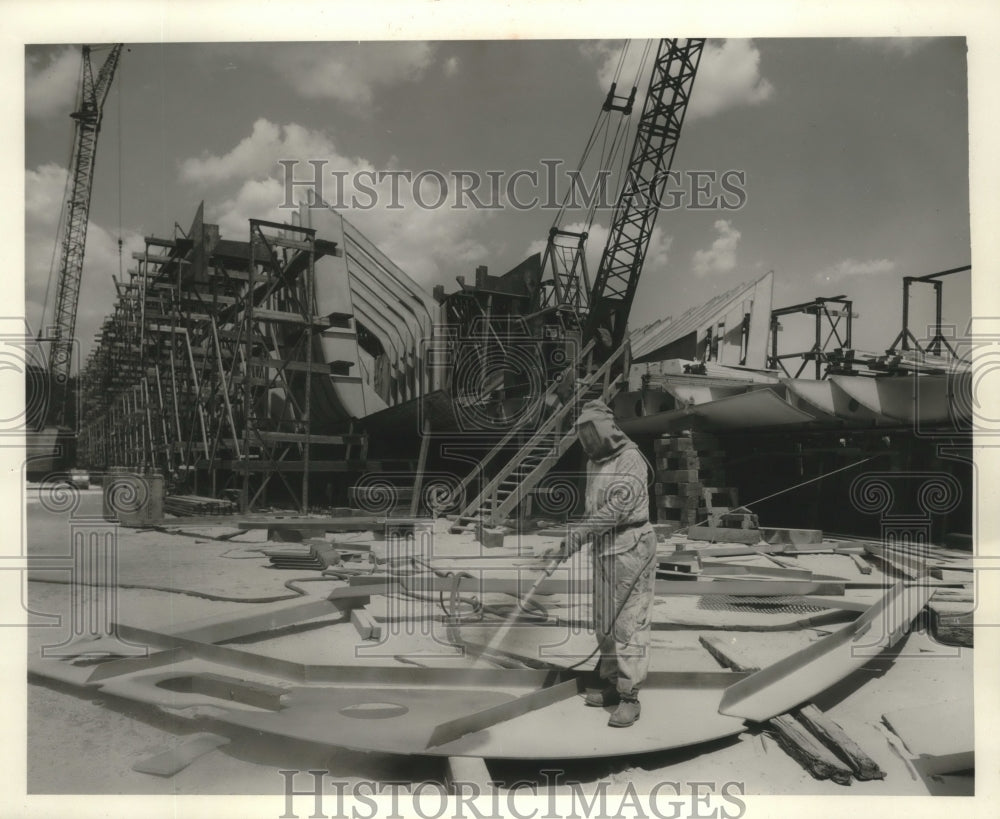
[{"x": 101, "y": 741}]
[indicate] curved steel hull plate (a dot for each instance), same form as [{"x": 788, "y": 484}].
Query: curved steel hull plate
[{"x": 678, "y": 710}]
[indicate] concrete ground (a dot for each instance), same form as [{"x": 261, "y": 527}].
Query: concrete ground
[{"x": 84, "y": 742}]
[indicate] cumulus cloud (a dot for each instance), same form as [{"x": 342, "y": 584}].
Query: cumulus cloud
[
  {"x": 255, "y": 199},
  {"x": 608, "y": 53},
  {"x": 256, "y": 156},
  {"x": 721, "y": 256},
  {"x": 851, "y": 268},
  {"x": 51, "y": 82},
  {"x": 431, "y": 244},
  {"x": 728, "y": 74},
  {"x": 349, "y": 72},
  {"x": 45, "y": 186}
]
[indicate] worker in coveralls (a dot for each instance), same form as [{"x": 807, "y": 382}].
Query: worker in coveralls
[{"x": 624, "y": 553}]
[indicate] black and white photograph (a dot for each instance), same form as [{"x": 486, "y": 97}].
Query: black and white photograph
[{"x": 435, "y": 417}]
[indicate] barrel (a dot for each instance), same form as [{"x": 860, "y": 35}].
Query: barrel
[{"x": 133, "y": 498}]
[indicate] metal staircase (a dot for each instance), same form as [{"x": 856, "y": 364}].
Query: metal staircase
[{"x": 520, "y": 475}]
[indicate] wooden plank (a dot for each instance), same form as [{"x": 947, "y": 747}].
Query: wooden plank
[
  {"x": 518, "y": 585},
  {"x": 468, "y": 772},
  {"x": 795, "y": 537},
  {"x": 358, "y": 523},
  {"x": 678, "y": 475},
  {"x": 263, "y": 314},
  {"x": 676, "y": 517},
  {"x": 758, "y": 550},
  {"x": 317, "y": 367},
  {"x": 672, "y": 444},
  {"x": 797, "y": 743},
  {"x": 836, "y": 739},
  {"x": 952, "y": 624},
  {"x": 299, "y": 437},
  {"x": 366, "y": 625},
  {"x": 783, "y": 562},
  {"x": 171, "y": 761},
  {"x": 721, "y": 569},
  {"x": 690, "y": 460},
  {"x": 719, "y": 534},
  {"x": 828, "y": 732},
  {"x": 863, "y": 565},
  {"x": 801, "y": 746},
  {"x": 676, "y": 502},
  {"x": 418, "y": 479},
  {"x": 680, "y": 490},
  {"x": 290, "y": 466},
  {"x": 895, "y": 567},
  {"x": 953, "y": 575}
]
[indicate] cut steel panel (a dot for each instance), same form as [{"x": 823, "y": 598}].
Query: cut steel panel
[
  {"x": 759, "y": 408},
  {"x": 801, "y": 676},
  {"x": 907, "y": 398},
  {"x": 678, "y": 709},
  {"x": 830, "y": 400}
]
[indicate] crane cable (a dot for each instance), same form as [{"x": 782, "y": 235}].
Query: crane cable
[
  {"x": 612, "y": 151},
  {"x": 121, "y": 80},
  {"x": 623, "y": 157},
  {"x": 599, "y": 128}
]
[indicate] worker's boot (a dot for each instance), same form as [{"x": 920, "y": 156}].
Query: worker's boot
[
  {"x": 598, "y": 698},
  {"x": 626, "y": 713}
]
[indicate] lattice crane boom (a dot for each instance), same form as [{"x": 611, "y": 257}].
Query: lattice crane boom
[
  {"x": 657, "y": 134},
  {"x": 90, "y": 108}
]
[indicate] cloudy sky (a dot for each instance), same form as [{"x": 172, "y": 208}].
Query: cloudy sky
[{"x": 855, "y": 155}]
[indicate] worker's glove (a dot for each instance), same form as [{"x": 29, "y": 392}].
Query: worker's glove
[
  {"x": 550, "y": 553},
  {"x": 566, "y": 549}
]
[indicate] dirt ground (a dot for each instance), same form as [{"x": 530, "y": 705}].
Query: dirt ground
[{"x": 82, "y": 741}]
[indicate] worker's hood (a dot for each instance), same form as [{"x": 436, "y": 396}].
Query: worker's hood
[{"x": 610, "y": 440}]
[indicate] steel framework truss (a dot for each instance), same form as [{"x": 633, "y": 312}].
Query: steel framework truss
[
  {"x": 642, "y": 190},
  {"x": 209, "y": 366}
]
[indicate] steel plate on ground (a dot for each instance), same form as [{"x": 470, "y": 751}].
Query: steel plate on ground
[{"x": 679, "y": 709}]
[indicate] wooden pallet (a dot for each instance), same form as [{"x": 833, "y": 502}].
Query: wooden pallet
[
  {"x": 692, "y": 489},
  {"x": 678, "y": 517},
  {"x": 689, "y": 460},
  {"x": 669, "y": 444}
]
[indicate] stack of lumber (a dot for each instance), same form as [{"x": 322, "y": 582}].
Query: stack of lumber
[
  {"x": 190, "y": 505},
  {"x": 690, "y": 480},
  {"x": 313, "y": 554},
  {"x": 806, "y": 734},
  {"x": 380, "y": 498}
]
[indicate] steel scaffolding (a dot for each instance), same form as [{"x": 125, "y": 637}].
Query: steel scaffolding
[{"x": 209, "y": 368}]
